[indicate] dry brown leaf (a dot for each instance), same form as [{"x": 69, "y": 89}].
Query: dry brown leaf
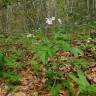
[
  {"x": 52, "y": 59},
  {"x": 67, "y": 93}
]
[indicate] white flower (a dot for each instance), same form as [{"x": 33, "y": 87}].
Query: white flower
[
  {"x": 29, "y": 35},
  {"x": 76, "y": 23},
  {"x": 60, "y": 21},
  {"x": 53, "y": 18},
  {"x": 34, "y": 36},
  {"x": 49, "y": 21},
  {"x": 39, "y": 28}
]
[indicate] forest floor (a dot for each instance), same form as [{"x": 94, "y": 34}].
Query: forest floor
[{"x": 27, "y": 72}]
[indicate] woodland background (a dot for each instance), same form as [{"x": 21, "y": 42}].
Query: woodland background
[{"x": 23, "y": 16}]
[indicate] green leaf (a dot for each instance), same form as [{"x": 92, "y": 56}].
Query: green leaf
[
  {"x": 76, "y": 51},
  {"x": 1, "y": 57},
  {"x": 91, "y": 89},
  {"x": 83, "y": 94},
  {"x": 63, "y": 45},
  {"x": 12, "y": 77},
  {"x": 75, "y": 79},
  {"x": 80, "y": 81},
  {"x": 51, "y": 51},
  {"x": 2, "y": 61},
  {"x": 82, "y": 78},
  {"x": 35, "y": 65},
  {"x": 55, "y": 90},
  {"x": 51, "y": 74},
  {"x": 83, "y": 83},
  {"x": 67, "y": 84},
  {"x": 78, "y": 63}
]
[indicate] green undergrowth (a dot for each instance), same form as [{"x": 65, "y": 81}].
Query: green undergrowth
[{"x": 13, "y": 50}]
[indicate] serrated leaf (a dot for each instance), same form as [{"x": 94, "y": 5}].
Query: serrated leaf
[
  {"x": 75, "y": 78},
  {"x": 44, "y": 57},
  {"x": 91, "y": 89},
  {"x": 76, "y": 51},
  {"x": 82, "y": 78},
  {"x": 55, "y": 90},
  {"x": 63, "y": 45}
]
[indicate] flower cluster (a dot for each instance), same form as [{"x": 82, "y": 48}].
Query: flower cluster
[
  {"x": 30, "y": 35},
  {"x": 49, "y": 21}
]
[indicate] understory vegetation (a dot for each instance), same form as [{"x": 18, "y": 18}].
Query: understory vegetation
[
  {"x": 62, "y": 64},
  {"x": 47, "y": 47}
]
